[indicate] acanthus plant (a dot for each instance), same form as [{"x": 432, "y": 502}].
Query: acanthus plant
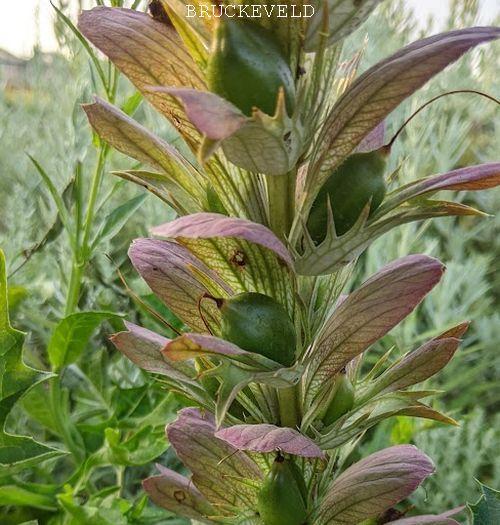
[{"x": 245, "y": 186}]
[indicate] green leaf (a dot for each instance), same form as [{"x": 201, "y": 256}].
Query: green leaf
[
  {"x": 72, "y": 334},
  {"x": 85, "y": 45},
  {"x": 19, "y": 496},
  {"x": 130, "y": 106},
  {"x": 117, "y": 219},
  {"x": 487, "y": 510},
  {"x": 58, "y": 200},
  {"x": 141, "y": 448},
  {"x": 17, "y": 294},
  {"x": 97, "y": 511},
  {"x": 15, "y": 380},
  {"x": 35, "y": 404}
]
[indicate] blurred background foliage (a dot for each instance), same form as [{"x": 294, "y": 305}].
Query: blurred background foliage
[{"x": 110, "y": 401}]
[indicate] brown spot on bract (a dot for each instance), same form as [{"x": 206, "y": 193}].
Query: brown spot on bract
[
  {"x": 158, "y": 12},
  {"x": 238, "y": 259},
  {"x": 282, "y": 263},
  {"x": 179, "y": 496},
  {"x": 390, "y": 515}
]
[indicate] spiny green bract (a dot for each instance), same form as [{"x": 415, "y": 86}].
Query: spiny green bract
[{"x": 349, "y": 189}]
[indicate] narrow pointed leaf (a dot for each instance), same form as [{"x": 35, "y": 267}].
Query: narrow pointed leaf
[
  {"x": 380, "y": 90},
  {"x": 358, "y": 421},
  {"x": 373, "y": 485},
  {"x": 367, "y": 314},
  {"x": 216, "y": 476},
  {"x": 174, "y": 275},
  {"x": 115, "y": 221},
  {"x": 427, "y": 412},
  {"x": 404, "y": 403},
  {"x": 149, "y": 53},
  {"x": 246, "y": 255},
  {"x": 430, "y": 209},
  {"x": 456, "y": 331},
  {"x": 177, "y": 494},
  {"x": 270, "y": 438}
]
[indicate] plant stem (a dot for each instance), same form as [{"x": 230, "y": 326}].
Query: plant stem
[
  {"x": 74, "y": 287},
  {"x": 288, "y": 407},
  {"x": 81, "y": 255},
  {"x": 281, "y": 196},
  {"x": 94, "y": 191},
  {"x": 61, "y": 420},
  {"x": 80, "y": 259}
]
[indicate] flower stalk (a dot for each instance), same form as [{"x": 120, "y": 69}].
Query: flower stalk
[
  {"x": 281, "y": 198},
  {"x": 214, "y": 253}
]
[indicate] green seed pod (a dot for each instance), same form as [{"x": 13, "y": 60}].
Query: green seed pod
[
  {"x": 280, "y": 501},
  {"x": 343, "y": 400},
  {"x": 299, "y": 479},
  {"x": 248, "y": 67},
  {"x": 349, "y": 188},
  {"x": 214, "y": 203},
  {"x": 257, "y": 323}
]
